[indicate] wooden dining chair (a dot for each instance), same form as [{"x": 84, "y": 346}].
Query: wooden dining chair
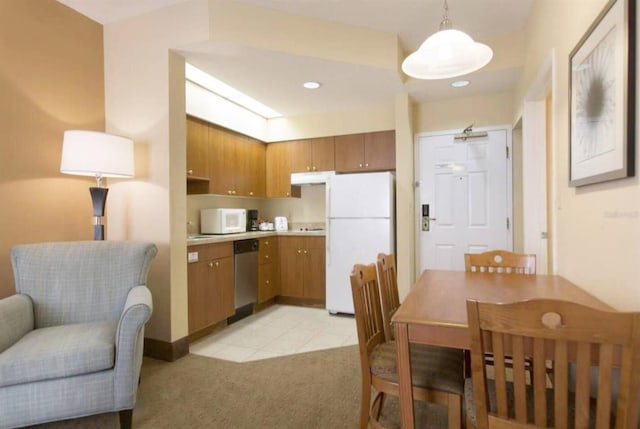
[
  {"x": 500, "y": 261},
  {"x": 389, "y": 298},
  {"x": 437, "y": 372},
  {"x": 576, "y": 337}
]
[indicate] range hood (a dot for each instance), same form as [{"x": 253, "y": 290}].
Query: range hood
[{"x": 311, "y": 177}]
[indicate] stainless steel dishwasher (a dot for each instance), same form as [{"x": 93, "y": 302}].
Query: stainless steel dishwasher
[{"x": 245, "y": 277}]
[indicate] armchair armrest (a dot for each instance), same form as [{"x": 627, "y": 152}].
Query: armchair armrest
[
  {"x": 16, "y": 319},
  {"x": 129, "y": 341}
]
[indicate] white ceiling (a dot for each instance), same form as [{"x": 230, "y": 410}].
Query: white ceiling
[{"x": 275, "y": 78}]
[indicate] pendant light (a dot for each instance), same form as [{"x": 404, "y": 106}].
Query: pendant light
[{"x": 447, "y": 53}]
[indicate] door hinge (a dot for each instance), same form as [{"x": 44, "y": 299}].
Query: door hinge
[
  {"x": 508, "y": 224},
  {"x": 507, "y": 148}
]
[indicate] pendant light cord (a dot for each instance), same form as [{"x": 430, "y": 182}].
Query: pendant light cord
[{"x": 446, "y": 23}]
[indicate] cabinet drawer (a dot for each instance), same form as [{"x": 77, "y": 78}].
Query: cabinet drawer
[
  {"x": 268, "y": 250},
  {"x": 212, "y": 251}
]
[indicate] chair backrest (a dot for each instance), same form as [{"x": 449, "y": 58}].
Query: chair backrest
[
  {"x": 500, "y": 261},
  {"x": 368, "y": 314},
  {"x": 571, "y": 335},
  {"x": 389, "y": 299},
  {"x": 79, "y": 281}
]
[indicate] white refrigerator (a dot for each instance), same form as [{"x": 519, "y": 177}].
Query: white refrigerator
[{"x": 360, "y": 224}]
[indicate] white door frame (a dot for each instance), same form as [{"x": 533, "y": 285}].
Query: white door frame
[
  {"x": 416, "y": 195},
  {"x": 534, "y": 165}
]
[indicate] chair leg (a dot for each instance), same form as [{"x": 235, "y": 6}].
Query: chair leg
[
  {"x": 126, "y": 419},
  {"x": 365, "y": 403}
]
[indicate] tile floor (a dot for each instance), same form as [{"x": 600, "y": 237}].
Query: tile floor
[{"x": 277, "y": 331}]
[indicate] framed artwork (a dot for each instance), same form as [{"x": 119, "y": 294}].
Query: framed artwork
[{"x": 602, "y": 98}]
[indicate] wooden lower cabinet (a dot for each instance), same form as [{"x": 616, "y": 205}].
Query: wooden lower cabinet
[
  {"x": 268, "y": 270},
  {"x": 210, "y": 285},
  {"x": 302, "y": 267}
]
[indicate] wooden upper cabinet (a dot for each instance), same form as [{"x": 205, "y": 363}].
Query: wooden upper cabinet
[
  {"x": 257, "y": 168},
  {"x": 380, "y": 150},
  {"x": 349, "y": 153},
  {"x": 322, "y": 154},
  {"x": 235, "y": 164},
  {"x": 279, "y": 169},
  {"x": 365, "y": 152},
  {"x": 197, "y": 148},
  {"x": 299, "y": 153}
]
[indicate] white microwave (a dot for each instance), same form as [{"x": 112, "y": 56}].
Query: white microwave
[{"x": 223, "y": 221}]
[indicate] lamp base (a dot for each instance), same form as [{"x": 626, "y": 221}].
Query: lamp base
[
  {"x": 98, "y": 232},
  {"x": 99, "y": 201}
]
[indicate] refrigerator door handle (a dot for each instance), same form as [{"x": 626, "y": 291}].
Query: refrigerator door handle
[
  {"x": 328, "y": 222},
  {"x": 328, "y": 241}
]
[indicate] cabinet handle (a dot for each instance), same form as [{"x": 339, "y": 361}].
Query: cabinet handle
[
  {"x": 251, "y": 193},
  {"x": 305, "y": 252},
  {"x": 266, "y": 243},
  {"x": 189, "y": 171},
  {"x": 217, "y": 264},
  {"x": 266, "y": 256},
  {"x": 228, "y": 191},
  {"x": 213, "y": 264},
  {"x": 233, "y": 192},
  {"x": 308, "y": 168},
  {"x": 299, "y": 251},
  {"x": 367, "y": 164},
  {"x": 360, "y": 165},
  {"x": 266, "y": 281},
  {"x": 288, "y": 194},
  {"x": 314, "y": 168},
  {"x": 210, "y": 264}
]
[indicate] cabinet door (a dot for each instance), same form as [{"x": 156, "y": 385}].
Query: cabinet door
[
  {"x": 349, "y": 153},
  {"x": 291, "y": 266},
  {"x": 266, "y": 282},
  {"x": 200, "y": 295},
  {"x": 299, "y": 153},
  {"x": 314, "y": 268},
  {"x": 220, "y": 159},
  {"x": 322, "y": 154},
  {"x": 240, "y": 164},
  {"x": 380, "y": 150},
  {"x": 223, "y": 304},
  {"x": 257, "y": 168},
  {"x": 197, "y": 148},
  {"x": 278, "y": 170}
]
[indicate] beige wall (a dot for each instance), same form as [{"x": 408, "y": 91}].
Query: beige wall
[
  {"x": 457, "y": 113},
  {"x": 51, "y": 80},
  {"x": 144, "y": 85},
  {"x": 596, "y": 228}
]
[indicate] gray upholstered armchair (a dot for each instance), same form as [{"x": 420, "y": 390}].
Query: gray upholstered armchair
[{"x": 71, "y": 338}]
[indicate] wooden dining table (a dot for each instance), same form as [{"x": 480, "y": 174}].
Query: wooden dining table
[{"x": 434, "y": 312}]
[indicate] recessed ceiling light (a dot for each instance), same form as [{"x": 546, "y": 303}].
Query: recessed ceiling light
[
  {"x": 311, "y": 84},
  {"x": 460, "y": 83}
]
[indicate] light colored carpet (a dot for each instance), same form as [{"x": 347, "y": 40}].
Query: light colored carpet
[{"x": 310, "y": 390}]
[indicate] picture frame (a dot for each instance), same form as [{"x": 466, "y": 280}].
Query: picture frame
[{"x": 602, "y": 98}]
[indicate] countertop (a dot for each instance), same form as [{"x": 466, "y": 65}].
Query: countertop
[{"x": 225, "y": 238}]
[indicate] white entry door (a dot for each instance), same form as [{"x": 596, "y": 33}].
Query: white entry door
[{"x": 464, "y": 187}]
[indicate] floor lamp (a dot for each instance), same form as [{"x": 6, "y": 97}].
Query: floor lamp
[{"x": 99, "y": 155}]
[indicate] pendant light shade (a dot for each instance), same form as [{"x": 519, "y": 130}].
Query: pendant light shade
[{"x": 447, "y": 53}]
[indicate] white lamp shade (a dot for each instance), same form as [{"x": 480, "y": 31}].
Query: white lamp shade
[
  {"x": 92, "y": 153},
  {"x": 446, "y": 54}
]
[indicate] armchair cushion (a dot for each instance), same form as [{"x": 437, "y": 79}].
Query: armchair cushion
[
  {"x": 16, "y": 319},
  {"x": 59, "y": 351}
]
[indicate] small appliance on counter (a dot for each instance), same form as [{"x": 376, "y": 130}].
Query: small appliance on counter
[
  {"x": 281, "y": 223},
  {"x": 223, "y": 221},
  {"x": 252, "y": 220}
]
